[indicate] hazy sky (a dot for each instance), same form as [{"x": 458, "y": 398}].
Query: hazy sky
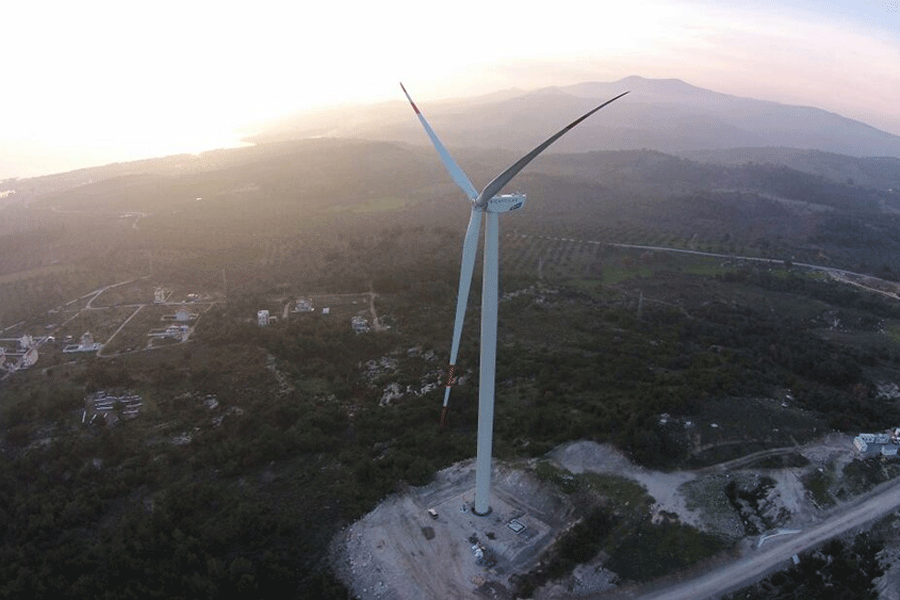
[{"x": 95, "y": 81}]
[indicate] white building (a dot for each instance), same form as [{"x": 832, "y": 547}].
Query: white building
[
  {"x": 25, "y": 342},
  {"x": 359, "y": 324},
  {"x": 885, "y": 444},
  {"x": 87, "y": 344},
  {"x": 29, "y": 358},
  {"x": 176, "y": 331},
  {"x": 262, "y": 317}
]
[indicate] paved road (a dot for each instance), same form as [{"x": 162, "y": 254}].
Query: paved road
[
  {"x": 777, "y": 552},
  {"x": 843, "y": 275},
  {"x": 774, "y": 261}
]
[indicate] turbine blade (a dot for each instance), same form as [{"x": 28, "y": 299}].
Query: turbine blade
[
  {"x": 470, "y": 248},
  {"x": 455, "y": 172},
  {"x": 503, "y": 178}
]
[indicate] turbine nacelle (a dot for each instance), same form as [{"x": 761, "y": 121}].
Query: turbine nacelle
[{"x": 505, "y": 203}]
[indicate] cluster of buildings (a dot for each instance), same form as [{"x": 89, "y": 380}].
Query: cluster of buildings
[
  {"x": 85, "y": 344},
  {"x": 874, "y": 444},
  {"x": 182, "y": 315},
  {"x": 360, "y": 324},
  {"x": 176, "y": 332},
  {"x": 304, "y": 305},
  {"x": 162, "y": 295},
  {"x": 179, "y": 330},
  {"x": 24, "y": 355},
  {"x": 111, "y": 407}
]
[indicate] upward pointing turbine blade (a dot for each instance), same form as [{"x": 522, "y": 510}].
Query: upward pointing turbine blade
[
  {"x": 455, "y": 172},
  {"x": 503, "y": 178},
  {"x": 470, "y": 249}
]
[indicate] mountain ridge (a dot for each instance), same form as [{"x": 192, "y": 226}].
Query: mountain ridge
[{"x": 669, "y": 115}]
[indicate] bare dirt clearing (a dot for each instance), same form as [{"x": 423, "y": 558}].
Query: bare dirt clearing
[
  {"x": 400, "y": 551},
  {"x": 579, "y": 457}
]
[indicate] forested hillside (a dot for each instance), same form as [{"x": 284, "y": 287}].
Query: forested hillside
[{"x": 255, "y": 445}]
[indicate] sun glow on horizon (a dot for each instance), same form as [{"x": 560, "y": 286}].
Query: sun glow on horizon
[{"x": 104, "y": 78}]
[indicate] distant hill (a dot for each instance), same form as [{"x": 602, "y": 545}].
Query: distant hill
[
  {"x": 877, "y": 172},
  {"x": 668, "y": 115}
]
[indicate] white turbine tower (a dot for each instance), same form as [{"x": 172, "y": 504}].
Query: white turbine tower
[{"x": 490, "y": 205}]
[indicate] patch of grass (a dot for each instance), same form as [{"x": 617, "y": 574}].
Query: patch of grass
[
  {"x": 781, "y": 461},
  {"x": 101, "y": 323},
  {"x": 638, "y": 549},
  {"x": 892, "y": 329},
  {"x": 581, "y": 544},
  {"x": 747, "y": 425},
  {"x": 708, "y": 266},
  {"x": 561, "y": 478},
  {"x": 614, "y": 273},
  {"x": 651, "y": 551},
  {"x": 138, "y": 292},
  {"x": 134, "y": 334},
  {"x": 340, "y": 306},
  {"x": 588, "y": 285},
  {"x": 619, "y": 491},
  {"x": 860, "y": 476},
  {"x": 818, "y": 484}
]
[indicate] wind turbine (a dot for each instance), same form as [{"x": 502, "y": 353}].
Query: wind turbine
[{"x": 489, "y": 205}]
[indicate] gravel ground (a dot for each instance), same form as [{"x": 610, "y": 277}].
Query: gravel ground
[{"x": 398, "y": 551}]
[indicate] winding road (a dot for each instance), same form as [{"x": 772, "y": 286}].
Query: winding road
[{"x": 778, "y": 551}]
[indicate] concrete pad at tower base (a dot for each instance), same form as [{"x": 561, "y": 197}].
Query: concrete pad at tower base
[{"x": 399, "y": 551}]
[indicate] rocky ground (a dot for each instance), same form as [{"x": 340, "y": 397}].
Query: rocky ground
[
  {"x": 889, "y": 584},
  {"x": 398, "y": 551}
]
